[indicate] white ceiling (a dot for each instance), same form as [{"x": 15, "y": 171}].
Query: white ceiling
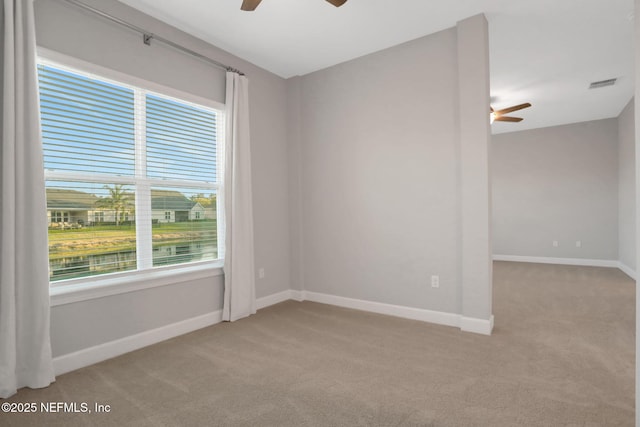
[{"x": 542, "y": 51}]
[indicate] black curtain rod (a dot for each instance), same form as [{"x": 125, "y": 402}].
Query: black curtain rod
[{"x": 147, "y": 36}]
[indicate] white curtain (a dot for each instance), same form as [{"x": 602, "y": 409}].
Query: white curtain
[
  {"x": 25, "y": 347},
  {"x": 239, "y": 279}
]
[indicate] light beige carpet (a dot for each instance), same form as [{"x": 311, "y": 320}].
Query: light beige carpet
[{"x": 562, "y": 354}]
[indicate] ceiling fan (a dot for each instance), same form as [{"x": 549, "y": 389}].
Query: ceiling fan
[
  {"x": 250, "y": 5},
  {"x": 499, "y": 116}
]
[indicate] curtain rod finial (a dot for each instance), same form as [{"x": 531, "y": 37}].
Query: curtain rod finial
[{"x": 235, "y": 70}]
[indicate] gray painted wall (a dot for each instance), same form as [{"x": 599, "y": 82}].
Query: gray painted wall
[
  {"x": 558, "y": 183},
  {"x": 379, "y": 173},
  {"x": 627, "y": 187},
  {"x": 379, "y": 178},
  {"x": 85, "y": 324},
  {"x": 70, "y": 31}
]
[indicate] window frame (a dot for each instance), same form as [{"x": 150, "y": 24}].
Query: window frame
[
  {"x": 59, "y": 216},
  {"x": 145, "y": 276}
]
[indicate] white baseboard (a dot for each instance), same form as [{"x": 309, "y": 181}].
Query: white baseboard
[
  {"x": 89, "y": 356},
  {"x": 569, "y": 261},
  {"x": 298, "y": 295},
  {"x": 438, "y": 317},
  {"x": 478, "y": 326},
  {"x": 563, "y": 261},
  {"x": 273, "y": 299},
  {"x": 627, "y": 270},
  {"x": 467, "y": 324}
]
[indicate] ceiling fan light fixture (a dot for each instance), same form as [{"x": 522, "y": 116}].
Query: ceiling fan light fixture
[{"x": 499, "y": 116}]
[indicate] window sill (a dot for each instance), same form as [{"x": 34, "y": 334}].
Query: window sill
[{"x": 92, "y": 288}]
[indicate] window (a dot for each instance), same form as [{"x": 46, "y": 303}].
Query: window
[
  {"x": 127, "y": 170},
  {"x": 59, "y": 216},
  {"x": 98, "y": 216}
]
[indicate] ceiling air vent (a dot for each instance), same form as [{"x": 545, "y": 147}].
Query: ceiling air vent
[{"x": 602, "y": 83}]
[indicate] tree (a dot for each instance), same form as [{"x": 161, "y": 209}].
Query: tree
[
  {"x": 118, "y": 200},
  {"x": 204, "y": 201}
]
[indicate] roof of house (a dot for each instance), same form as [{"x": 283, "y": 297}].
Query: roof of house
[
  {"x": 170, "y": 201},
  {"x": 58, "y": 198}
]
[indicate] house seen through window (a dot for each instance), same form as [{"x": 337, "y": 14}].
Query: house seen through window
[{"x": 131, "y": 176}]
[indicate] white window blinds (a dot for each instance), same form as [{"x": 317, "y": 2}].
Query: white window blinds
[
  {"x": 181, "y": 141},
  {"x": 87, "y": 124},
  {"x": 131, "y": 176}
]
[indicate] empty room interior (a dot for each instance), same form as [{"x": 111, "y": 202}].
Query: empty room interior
[{"x": 319, "y": 212}]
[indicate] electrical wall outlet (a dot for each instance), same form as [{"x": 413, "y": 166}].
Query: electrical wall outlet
[
  {"x": 261, "y": 273},
  {"x": 435, "y": 281},
  {"x": 555, "y": 244},
  {"x": 578, "y": 243}
]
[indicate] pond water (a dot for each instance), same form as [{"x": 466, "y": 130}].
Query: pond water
[{"x": 91, "y": 265}]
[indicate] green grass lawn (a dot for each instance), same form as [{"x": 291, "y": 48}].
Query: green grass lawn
[{"x": 110, "y": 238}]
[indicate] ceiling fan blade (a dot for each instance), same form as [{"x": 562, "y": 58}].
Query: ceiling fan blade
[
  {"x": 249, "y": 5},
  {"x": 337, "y": 3},
  {"x": 507, "y": 119},
  {"x": 514, "y": 108}
]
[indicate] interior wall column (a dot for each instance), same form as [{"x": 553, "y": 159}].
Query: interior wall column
[{"x": 475, "y": 181}]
